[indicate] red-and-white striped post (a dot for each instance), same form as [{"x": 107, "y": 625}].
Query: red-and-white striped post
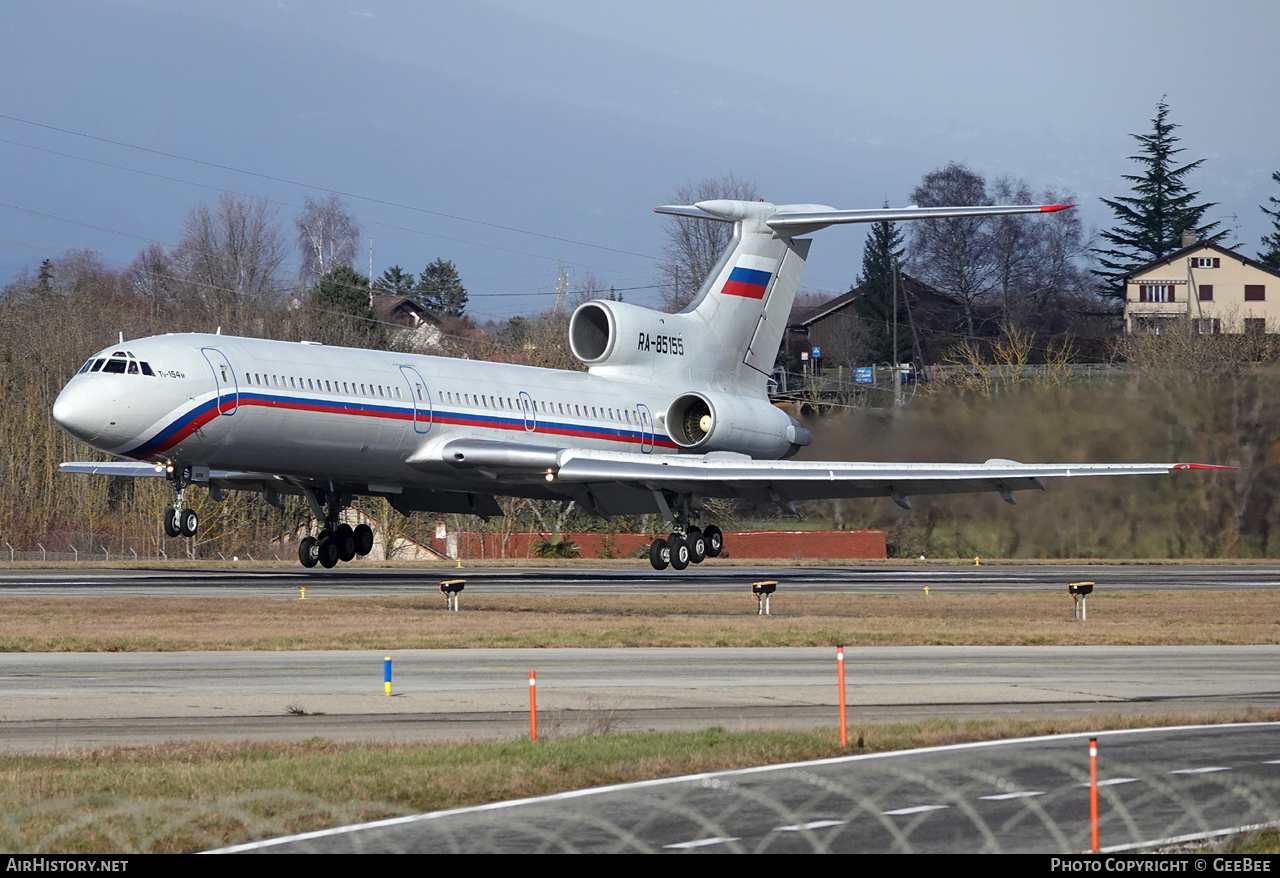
[
  {"x": 533, "y": 706},
  {"x": 844, "y": 732},
  {"x": 1093, "y": 791}
]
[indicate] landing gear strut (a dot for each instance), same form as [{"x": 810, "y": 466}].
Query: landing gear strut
[
  {"x": 180, "y": 521},
  {"x": 687, "y": 544},
  {"x": 336, "y": 541}
]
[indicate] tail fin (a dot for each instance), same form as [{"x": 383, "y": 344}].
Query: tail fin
[
  {"x": 744, "y": 303},
  {"x": 729, "y": 335}
]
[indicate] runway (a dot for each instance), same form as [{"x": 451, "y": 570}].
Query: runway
[
  {"x": 355, "y": 581},
  {"x": 55, "y": 701}
]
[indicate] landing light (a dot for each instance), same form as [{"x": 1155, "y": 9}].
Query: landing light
[
  {"x": 550, "y": 476},
  {"x": 159, "y": 467}
]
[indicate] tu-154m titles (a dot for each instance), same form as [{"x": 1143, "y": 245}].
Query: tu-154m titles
[{"x": 671, "y": 410}]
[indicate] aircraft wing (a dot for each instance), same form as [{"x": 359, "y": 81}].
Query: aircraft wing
[
  {"x": 785, "y": 481},
  {"x": 615, "y": 483}
]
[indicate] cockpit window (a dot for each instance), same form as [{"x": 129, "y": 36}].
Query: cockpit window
[
  {"x": 85, "y": 367},
  {"x": 114, "y": 366},
  {"x": 146, "y": 370}
]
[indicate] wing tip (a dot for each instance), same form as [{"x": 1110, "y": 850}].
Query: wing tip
[
  {"x": 1201, "y": 466},
  {"x": 1052, "y": 208}
]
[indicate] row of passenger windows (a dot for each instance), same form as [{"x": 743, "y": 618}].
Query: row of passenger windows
[
  {"x": 475, "y": 400},
  {"x": 547, "y": 408},
  {"x": 350, "y": 388},
  {"x": 119, "y": 363}
]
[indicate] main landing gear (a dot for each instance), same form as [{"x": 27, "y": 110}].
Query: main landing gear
[
  {"x": 180, "y": 521},
  {"x": 336, "y": 542},
  {"x": 687, "y": 544}
]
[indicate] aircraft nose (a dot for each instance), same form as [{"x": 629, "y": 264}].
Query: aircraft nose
[{"x": 83, "y": 409}]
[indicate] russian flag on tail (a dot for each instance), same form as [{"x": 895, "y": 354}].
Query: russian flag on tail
[{"x": 750, "y": 277}]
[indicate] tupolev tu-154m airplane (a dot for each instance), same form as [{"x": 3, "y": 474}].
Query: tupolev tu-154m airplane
[{"x": 671, "y": 410}]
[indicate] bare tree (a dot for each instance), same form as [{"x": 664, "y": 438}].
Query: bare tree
[
  {"x": 694, "y": 245},
  {"x": 153, "y": 278},
  {"x": 955, "y": 255},
  {"x": 328, "y": 236},
  {"x": 231, "y": 253}
]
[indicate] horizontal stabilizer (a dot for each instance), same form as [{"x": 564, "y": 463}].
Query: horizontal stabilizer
[{"x": 799, "y": 219}]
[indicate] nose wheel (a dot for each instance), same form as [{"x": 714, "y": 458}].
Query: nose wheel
[{"x": 180, "y": 521}]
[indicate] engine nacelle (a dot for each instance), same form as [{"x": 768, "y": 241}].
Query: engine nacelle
[
  {"x": 621, "y": 334},
  {"x": 717, "y": 422}
]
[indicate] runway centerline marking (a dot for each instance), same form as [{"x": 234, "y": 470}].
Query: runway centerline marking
[
  {"x": 816, "y": 824},
  {"x": 918, "y": 809},
  {"x": 1025, "y": 794}
]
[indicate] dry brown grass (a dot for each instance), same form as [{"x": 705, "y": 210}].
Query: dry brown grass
[{"x": 177, "y": 624}]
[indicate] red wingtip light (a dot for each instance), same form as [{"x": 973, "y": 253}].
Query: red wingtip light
[
  {"x": 1201, "y": 466},
  {"x": 1050, "y": 208}
]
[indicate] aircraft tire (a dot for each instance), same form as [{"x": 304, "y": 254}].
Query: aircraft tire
[
  {"x": 188, "y": 522},
  {"x": 658, "y": 555},
  {"x": 345, "y": 537},
  {"x": 364, "y": 539},
  {"x": 327, "y": 552},
  {"x": 697, "y": 545},
  {"x": 171, "y": 526},
  {"x": 679, "y": 551},
  {"x": 714, "y": 539},
  {"x": 307, "y": 553}
]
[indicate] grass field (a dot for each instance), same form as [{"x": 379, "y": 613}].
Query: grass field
[{"x": 173, "y": 624}]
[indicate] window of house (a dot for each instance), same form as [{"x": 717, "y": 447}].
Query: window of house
[
  {"x": 1255, "y": 325},
  {"x": 1208, "y": 326},
  {"x": 1206, "y": 292},
  {"x": 1255, "y": 293},
  {"x": 1206, "y": 262},
  {"x": 1156, "y": 293}
]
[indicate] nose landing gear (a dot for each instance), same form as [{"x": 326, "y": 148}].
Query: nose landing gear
[{"x": 180, "y": 521}]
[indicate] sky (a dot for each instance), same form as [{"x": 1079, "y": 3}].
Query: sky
[{"x": 522, "y": 140}]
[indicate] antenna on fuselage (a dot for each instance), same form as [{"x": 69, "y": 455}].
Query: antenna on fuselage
[{"x": 122, "y": 336}]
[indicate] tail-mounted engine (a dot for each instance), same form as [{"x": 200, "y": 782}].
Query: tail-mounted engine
[
  {"x": 705, "y": 422},
  {"x": 603, "y": 333}
]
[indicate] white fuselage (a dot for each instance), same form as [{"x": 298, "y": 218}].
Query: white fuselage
[{"x": 350, "y": 415}]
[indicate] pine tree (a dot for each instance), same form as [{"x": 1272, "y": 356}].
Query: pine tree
[
  {"x": 1150, "y": 222},
  {"x": 440, "y": 291},
  {"x": 1270, "y": 257},
  {"x": 395, "y": 281},
  {"x": 881, "y": 256},
  {"x": 340, "y": 309}
]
